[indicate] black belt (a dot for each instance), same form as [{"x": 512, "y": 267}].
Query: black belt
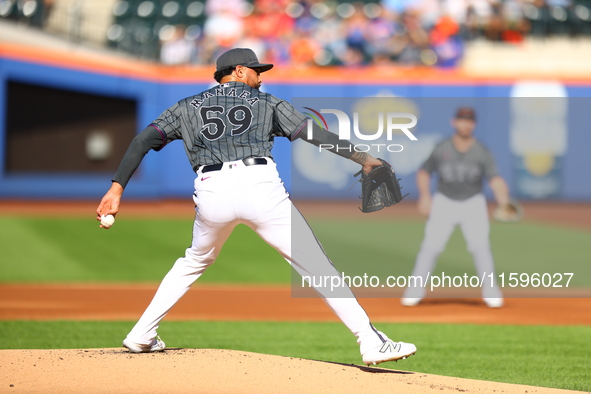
[{"x": 251, "y": 161}]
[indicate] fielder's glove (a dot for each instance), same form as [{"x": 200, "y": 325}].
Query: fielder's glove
[
  {"x": 509, "y": 213},
  {"x": 379, "y": 188}
]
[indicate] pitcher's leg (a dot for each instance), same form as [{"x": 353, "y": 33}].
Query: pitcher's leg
[
  {"x": 207, "y": 242},
  {"x": 291, "y": 235}
]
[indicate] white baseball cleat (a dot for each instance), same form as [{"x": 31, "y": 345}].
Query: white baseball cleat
[
  {"x": 389, "y": 351},
  {"x": 493, "y": 302},
  {"x": 157, "y": 345},
  {"x": 409, "y": 301}
]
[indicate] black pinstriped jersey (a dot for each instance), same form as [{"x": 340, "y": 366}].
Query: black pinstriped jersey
[{"x": 228, "y": 122}]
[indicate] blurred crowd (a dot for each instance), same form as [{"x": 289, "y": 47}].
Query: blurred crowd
[
  {"x": 405, "y": 32},
  {"x": 302, "y": 33}
]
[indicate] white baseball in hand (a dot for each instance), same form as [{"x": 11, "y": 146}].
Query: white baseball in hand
[{"x": 107, "y": 220}]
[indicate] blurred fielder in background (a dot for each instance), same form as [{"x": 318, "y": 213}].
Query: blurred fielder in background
[{"x": 461, "y": 163}]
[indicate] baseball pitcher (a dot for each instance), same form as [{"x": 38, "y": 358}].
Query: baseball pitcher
[{"x": 228, "y": 133}]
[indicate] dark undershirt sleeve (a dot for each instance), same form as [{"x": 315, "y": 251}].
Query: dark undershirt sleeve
[
  {"x": 329, "y": 141},
  {"x": 149, "y": 138}
]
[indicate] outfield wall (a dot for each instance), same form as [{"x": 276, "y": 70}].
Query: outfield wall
[{"x": 554, "y": 168}]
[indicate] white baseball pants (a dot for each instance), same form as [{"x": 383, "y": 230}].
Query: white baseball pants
[
  {"x": 472, "y": 217},
  {"x": 253, "y": 195}
]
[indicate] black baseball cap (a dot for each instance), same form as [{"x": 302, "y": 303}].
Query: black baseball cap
[
  {"x": 241, "y": 57},
  {"x": 465, "y": 113}
]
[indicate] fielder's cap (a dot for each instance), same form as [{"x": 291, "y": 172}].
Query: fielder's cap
[
  {"x": 241, "y": 57},
  {"x": 465, "y": 113}
]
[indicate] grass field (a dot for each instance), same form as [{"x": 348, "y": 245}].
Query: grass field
[
  {"x": 43, "y": 249},
  {"x": 139, "y": 250},
  {"x": 539, "y": 356}
]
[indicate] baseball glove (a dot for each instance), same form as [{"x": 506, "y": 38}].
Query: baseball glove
[
  {"x": 509, "y": 213},
  {"x": 379, "y": 188}
]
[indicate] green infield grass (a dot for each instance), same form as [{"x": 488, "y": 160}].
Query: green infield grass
[
  {"x": 141, "y": 250},
  {"x": 134, "y": 250},
  {"x": 544, "y": 356}
]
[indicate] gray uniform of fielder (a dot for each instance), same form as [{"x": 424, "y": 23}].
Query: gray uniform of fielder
[
  {"x": 458, "y": 202},
  {"x": 460, "y": 175}
]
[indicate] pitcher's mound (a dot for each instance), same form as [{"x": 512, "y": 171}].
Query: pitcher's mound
[{"x": 214, "y": 371}]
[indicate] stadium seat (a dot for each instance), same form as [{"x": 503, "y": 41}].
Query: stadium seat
[
  {"x": 8, "y": 9},
  {"x": 138, "y": 24},
  {"x": 132, "y": 28},
  {"x": 122, "y": 10},
  {"x": 194, "y": 12},
  {"x": 29, "y": 12},
  {"x": 559, "y": 21},
  {"x": 582, "y": 18},
  {"x": 171, "y": 12},
  {"x": 538, "y": 18}
]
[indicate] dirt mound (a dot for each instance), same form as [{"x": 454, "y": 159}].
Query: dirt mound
[{"x": 215, "y": 371}]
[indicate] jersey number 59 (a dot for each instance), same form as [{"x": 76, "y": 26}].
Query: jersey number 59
[{"x": 214, "y": 127}]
